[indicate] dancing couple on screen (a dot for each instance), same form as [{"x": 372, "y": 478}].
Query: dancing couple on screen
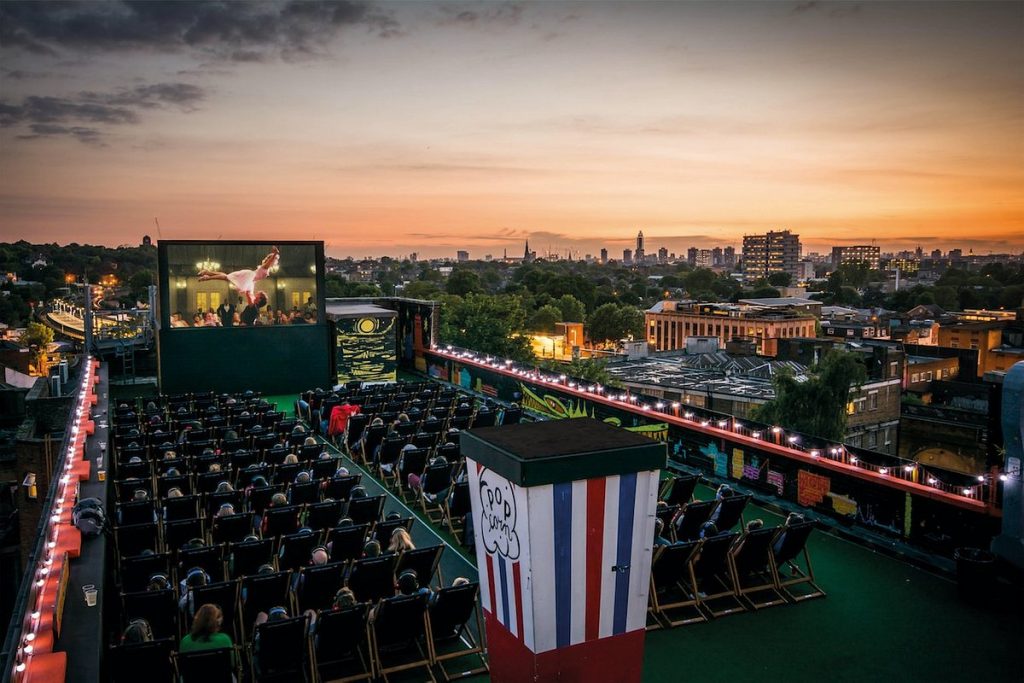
[{"x": 245, "y": 282}]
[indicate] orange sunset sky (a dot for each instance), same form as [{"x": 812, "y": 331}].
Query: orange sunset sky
[{"x": 388, "y": 128}]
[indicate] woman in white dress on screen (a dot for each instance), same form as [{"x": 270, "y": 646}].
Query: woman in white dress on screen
[{"x": 245, "y": 280}]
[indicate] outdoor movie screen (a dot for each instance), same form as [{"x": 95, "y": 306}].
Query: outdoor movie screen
[{"x": 224, "y": 284}]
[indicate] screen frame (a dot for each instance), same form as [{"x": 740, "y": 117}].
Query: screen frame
[{"x": 163, "y": 269}]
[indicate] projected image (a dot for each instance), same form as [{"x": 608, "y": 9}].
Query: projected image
[{"x": 241, "y": 285}]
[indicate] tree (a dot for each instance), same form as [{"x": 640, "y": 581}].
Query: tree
[
  {"x": 545, "y": 319},
  {"x": 782, "y": 279},
  {"x": 614, "y": 321},
  {"x": 487, "y": 324},
  {"x": 37, "y": 338},
  {"x": 463, "y": 281},
  {"x": 587, "y": 369},
  {"x": 422, "y": 289},
  {"x": 139, "y": 282},
  {"x": 816, "y": 406},
  {"x": 573, "y": 310}
]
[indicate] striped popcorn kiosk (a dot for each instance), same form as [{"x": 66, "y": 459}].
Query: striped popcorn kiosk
[{"x": 563, "y": 519}]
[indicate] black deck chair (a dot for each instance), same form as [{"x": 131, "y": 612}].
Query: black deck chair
[
  {"x": 689, "y": 522},
  {"x": 260, "y": 592},
  {"x": 671, "y": 587},
  {"x": 185, "y": 507},
  {"x": 484, "y": 418},
  {"x": 354, "y": 430},
  {"x": 365, "y": 510},
  {"x": 373, "y": 578},
  {"x": 434, "y": 485},
  {"x": 667, "y": 513},
  {"x": 346, "y": 543},
  {"x": 244, "y": 478},
  {"x": 323, "y": 515},
  {"x": 318, "y": 585},
  {"x": 180, "y": 532},
  {"x": 132, "y": 539},
  {"x": 183, "y": 482},
  {"x": 711, "y": 580},
  {"x": 232, "y": 528},
  {"x": 339, "y": 645},
  {"x": 126, "y": 488},
  {"x": 136, "y": 512},
  {"x": 304, "y": 494},
  {"x": 242, "y": 458},
  {"x": 390, "y": 449},
  {"x": 426, "y": 562},
  {"x": 159, "y": 608},
  {"x": 246, "y": 558},
  {"x": 213, "y": 501},
  {"x": 400, "y": 632},
  {"x": 264, "y": 442},
  {"x": 512, "y": 416},
  {"x": 295, "y": 549},
  {"x": 324, "y": 468},
  {"x": 455, "y": 507},
  {"x": 134, "y": 470},
  {"x": 383, "y": 530},
  {"x": 137, "y": 569},
  {"x": 450, "y": 613},
  {"x": 224, "y": 594},
  {"x": 372, "y": 437},
  {"x": 285, "y": 474},
  {"x": 310, "y": 452},
  {"x": 680, "y": 488},
  {"x": 788, "y": 548},
  {"x": 207, "y": 666},
  {"x": 281, "y": 520},
  {"x": 459, "y": 422},
  {"x": 730, "y": 512},
  {"x": 281, "y": 651},
  {"x": 206, "y": 482},
  {"x": 339, "y": 488},
  {"x": 210, "y": 558},
  {"x": 750, "y": 563},
  {"x": 154, "y": 657},
  {"x": 424, "y": 439},
  {"x": 275, "y": 456},
  {"x": 413, "y": 461},
  {"x": 259, "y": 497}
]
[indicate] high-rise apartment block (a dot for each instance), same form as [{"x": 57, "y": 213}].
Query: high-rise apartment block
[
  {"x": 462, "y": 256},
  {"x": 774, "y": 252},
  {"x": 663, "y": 255},
  {"x": 604, "y": 255},
  {"x": 863, "y": 253},
  {"x": 627, "y": 257}
]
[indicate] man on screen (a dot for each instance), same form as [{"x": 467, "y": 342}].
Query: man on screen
[
  {"x": 245, "y": 280},
  {"x": 252, "y": 311},
  {"x": 226, "y": 313}
]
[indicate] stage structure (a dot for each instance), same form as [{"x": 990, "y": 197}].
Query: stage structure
[
  {"x": 563, "y": 517},
  {"x": 242, "y": 315}
]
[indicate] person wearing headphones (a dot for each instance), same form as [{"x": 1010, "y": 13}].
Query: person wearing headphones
[
  {"x": 205, "y": 633},
  {"x": 195, "y": 577},
  {"x": 137, "y": 631}
]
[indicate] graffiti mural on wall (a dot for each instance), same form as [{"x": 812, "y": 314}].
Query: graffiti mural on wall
[{"x": 366, "y": 349}]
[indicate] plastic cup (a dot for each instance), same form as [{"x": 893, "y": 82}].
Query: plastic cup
[
  {"x": 90, "y": 594},
  {"x": 101, "y": 475}
]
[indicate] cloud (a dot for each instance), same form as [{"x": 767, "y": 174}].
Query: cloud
[
  {"x": 239, "y": 31},
  {"x": 57, "y": 116},
  {"x": 479, "y": 14},
  {"x": 805, "y": 6}
]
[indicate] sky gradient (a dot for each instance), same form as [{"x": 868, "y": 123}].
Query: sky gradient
[{"x": 389, "y": 128}]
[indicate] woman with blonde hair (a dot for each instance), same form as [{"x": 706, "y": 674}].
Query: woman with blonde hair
[{"x": 400, "y": 541}]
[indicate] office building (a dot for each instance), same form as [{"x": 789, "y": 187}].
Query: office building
[
  {"x": 864, "y": 253},
  {"x": 773, "y": 252}
]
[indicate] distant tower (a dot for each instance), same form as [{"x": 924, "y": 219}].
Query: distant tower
[
  {"x": 146, "y": 241},
  {"x": 639, "y": 255},
  {"x": 527, "y": 255}
]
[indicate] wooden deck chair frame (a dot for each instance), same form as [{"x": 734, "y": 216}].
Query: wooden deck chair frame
[
  {"x": 767, "y": 586},
  {"x": 381, "y": 671},
  {"x": 726, "y": 589},
  {"x": 365, "y": 661},
  {"x": 801, "y": 575},
  {"x": 455, "y": 527},
  {"x": 236, "y": 664},
  {"x": 659, "y": 609},
  {"x": 473, "y": 647},
  {"x": 310, "y": 673}
]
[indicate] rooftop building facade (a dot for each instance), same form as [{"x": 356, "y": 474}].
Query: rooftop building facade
[
  {"x": 670, "y": 323},
  {"x": 773, "y": 252},
  {"x": 861, "y": 253}
]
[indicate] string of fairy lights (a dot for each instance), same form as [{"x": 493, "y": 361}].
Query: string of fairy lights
[
  {"x": 898, "y": 468},
  {"x": 38, "y": 633}
]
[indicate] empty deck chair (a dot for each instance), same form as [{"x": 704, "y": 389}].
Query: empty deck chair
[
  {"x": 323, "y": 515},
  {"x": 180, "y": 532},
  {"x": 455, "y": 508},
  {"x": 399, "y": 635},
  {"x": 671, "y": 587},
  {"x": 679, "y": 489},
  {"x": 450, "y": 612},
  {"x": 426, "y": 562},
  {"x": 185, "y": 507},
  {"x": 281, "y": 651},
  {"x": 137, "y": 570},
  {"x": 339, "y": 645},
  {"x": 232, "y": 528},
  {"x": 692, "y": 517},
  {"x": 209, "y": 557},
  {"x": 788, "y": 548},
  {"x": 136, "y": 512},
  {"x": 751, "y": 566},
  {"x": 710, "y": 578},
  {"x": 373, "y": 578},
  {"x": 365, "y": 510},
  {"x": 281, "y": 520},
  {"x": 207, "y": 666},
  {"x": 246, "y": 558},
  {"x": 729, "y": 512},
  {"x": 133, "y": 539},
  {"x": 126, "y": 661}
]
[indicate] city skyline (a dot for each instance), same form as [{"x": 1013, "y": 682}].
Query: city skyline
[{"x": 386, "y": 129}]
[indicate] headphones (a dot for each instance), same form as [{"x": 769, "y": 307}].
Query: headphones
[
  {"x": 277, "y": 613},
  {"x": 265, "y": 569},
  {"x": 196, "y": 577},
  {"x": 319, "y": 548},
  {"x": 138, "y": 631},
  {"x": 160, "y": 579}
]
